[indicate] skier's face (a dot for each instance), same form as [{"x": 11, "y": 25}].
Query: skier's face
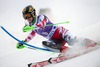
[{"x": 28, "y": 17}]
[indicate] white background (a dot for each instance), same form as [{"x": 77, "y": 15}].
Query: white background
[{"x": 84, "y": 17}]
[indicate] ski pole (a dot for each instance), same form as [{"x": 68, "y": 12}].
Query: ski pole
[
  {"x": 59, "y": 23},
  {"x": 30, "y": 28}
]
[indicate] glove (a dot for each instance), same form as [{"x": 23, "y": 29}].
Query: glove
[
  {"x": 20, "y": 45},
  {"x": 28, "y": 28}
]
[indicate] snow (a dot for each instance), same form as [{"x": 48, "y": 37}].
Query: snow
[{"x": 84, "y": 22}]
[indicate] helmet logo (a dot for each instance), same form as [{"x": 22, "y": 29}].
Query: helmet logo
[{"x": 30, "y": 9}]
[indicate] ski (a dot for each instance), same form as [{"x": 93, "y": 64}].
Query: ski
[
  {"x": 71, "y": 53},
  {"x": 53, "y": 60}
]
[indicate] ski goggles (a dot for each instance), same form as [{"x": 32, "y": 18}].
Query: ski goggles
[{"x": 27, "y": 16}]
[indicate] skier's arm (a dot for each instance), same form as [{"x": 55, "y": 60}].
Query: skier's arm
[
  {"x": 30, "y": 36},
  {"x": 41, "y": 22}
]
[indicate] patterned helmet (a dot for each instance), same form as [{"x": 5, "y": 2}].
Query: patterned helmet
[{"x": 29, "y": 10}]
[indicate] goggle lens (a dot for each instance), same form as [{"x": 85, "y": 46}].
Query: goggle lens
[{"x": 27, "y": 16}]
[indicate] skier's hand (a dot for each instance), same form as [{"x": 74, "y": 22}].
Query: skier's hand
[
  {"x": 28, "y": 28},
  {"x": 20, "y": 46}
]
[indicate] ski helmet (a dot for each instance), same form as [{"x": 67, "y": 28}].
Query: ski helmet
[{"x": 29, "y": 10}]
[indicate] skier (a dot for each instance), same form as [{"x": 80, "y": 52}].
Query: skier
[{"x": 57, "y": 36}]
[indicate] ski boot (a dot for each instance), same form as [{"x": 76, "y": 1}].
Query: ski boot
[
  {"x": 52, "y": 46},
  {"x": 55, "y": 47}
]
